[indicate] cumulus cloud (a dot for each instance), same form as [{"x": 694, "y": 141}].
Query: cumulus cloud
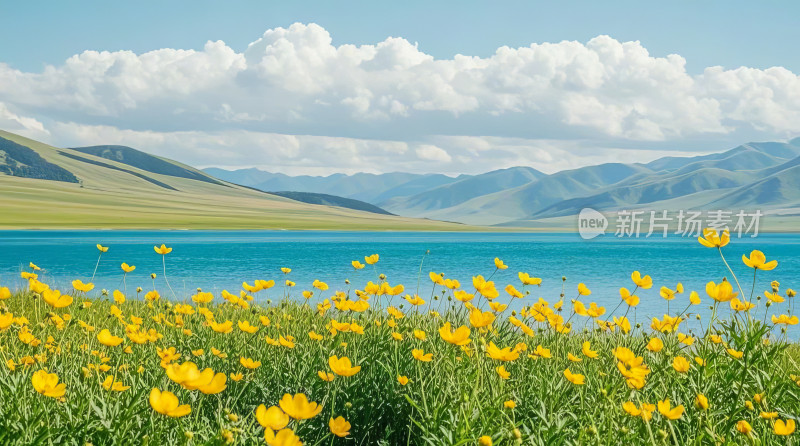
[
  {"x": 357, "y": 103},
  {"x": 433, "y": 153},
  {"x": 23, "y": 125}
]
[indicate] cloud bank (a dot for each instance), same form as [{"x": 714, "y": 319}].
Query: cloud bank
[{"x": 292, "y": 101}]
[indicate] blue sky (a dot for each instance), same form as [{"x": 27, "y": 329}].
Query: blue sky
[
  {"x": 322, "y": 87},
  {"x": 730, "y": 33}
]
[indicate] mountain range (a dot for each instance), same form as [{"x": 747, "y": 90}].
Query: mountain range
[
  {"x": 42, "y": 186},
  {"x": 763, "y": 175},
  {"x": 117, "y": 186}
]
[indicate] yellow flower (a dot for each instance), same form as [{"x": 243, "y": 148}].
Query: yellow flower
[
  {"x": 642, "y": 282},
  {"x": 499, "y": 263},
  {"x": 623, "y": 323},
  {"x": 325, "y": 376},
  {"x": 287, "y": 341},
  {"x": 223, "y": 327},
  {"x": 202, "y": 297},
  {"x": 152, "y": 296},
  {"x": 669, "y": 294},
  {"x": 298, "y": 406},
  {"x": 630, "y": 299},
  {"x": 249, "y": 363},
  {"x": 510, "y": 404},
  {"x": 497, "y": 307},
  {"x": 503, "y": 372},
  {"x": 480, "y": 319},
  {"x": 669, "y": 412},
  {"x": 505, "y": 354},
  {"x": 583, "y": 290},
  {"x": 339, "y": 426},
  {"x": 342, "y": 366},
  {"x": 403, "y": 380},
  {"x": 166, "y": 403},
  {"x": 744, "y": 427},
  {"x": 419, "y": 334},
  {"x": 587, "y": 350},
  {"x": 357, "y": 265},
  {"x": 526, "y": 279},
  {"x": 459, "y": 336},
  {"x": 694, "y": 298},
  {"x": 758, "y": 260},
  {"x": 485, "y": 440},
  {"x": 284, "y": 437},
  {"x": 680, "y": 364},
  {"x": 785, "y": 319},
  {"x": 373, "y": 259},
  {"x": 47, "y": 384},
  {"x": 127, "y": 268},
  {"x": 6, "y": 319},
  {"x": 463, "y": 296},
  {"x": 110, "y": 384},
  {"x": 420, "y": 355},
  {"x": 722, "y": 292},
  {"x": 574, "y": 378},
  {"x": 712, "y": 239},
  {"x": 119, "y": 298},
  {"x": 738, "y": 305},
  {"x": 163, "y": 250},
  {"x": 541, "y": 352},
  {"x": 784, "y": 428},
  {"x": 102, "y": 248},
  {"x": 632, "y": 367},
  {"x": 645, "y": 412},
  {"x": 236, "y": 376},
  {"x": 701, "y": 402},
  {"x": 273, "y": 418},
  {"x": 734, "y": 353},
  {"x": 416, "y": 300},
  {"x": 191, "y": 378},
  {"x": 106, "y": 338},
  {"x": 484, "y": 287},
  {"x": 55, "y": 299},
  {"x": 573, "y": 358},
  {"x": 774, "y": 297},
  {"x": 322, "y": 286}
]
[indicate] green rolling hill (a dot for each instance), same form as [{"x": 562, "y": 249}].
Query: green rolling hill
[{"x": 42, "y": 186}]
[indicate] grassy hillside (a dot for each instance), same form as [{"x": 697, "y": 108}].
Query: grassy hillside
[
  {"x": 332, "y": 200},
  {"x": 111, "y": 194},
  {"x": 150, "y": 163}
]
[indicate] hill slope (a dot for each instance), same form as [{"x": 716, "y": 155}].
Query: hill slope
[
  {"x": 331, "y": 200},
  {"x": 49, "y": 187},
  {"x": 147, "y": 162}
]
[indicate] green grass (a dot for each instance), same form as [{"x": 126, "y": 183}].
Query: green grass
[{"x": 455, "y": 398}]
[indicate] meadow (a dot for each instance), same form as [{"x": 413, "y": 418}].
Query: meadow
[{"x": 373, "y": 362}]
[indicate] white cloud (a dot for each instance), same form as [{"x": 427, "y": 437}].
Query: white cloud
[
  {"x": 368, "y": 106},
  {"x": 23, "y": 125},
  {"x": 433, "y": 153}
]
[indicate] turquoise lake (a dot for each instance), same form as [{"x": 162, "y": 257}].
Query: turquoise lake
[{"x": 217, "y": 260}]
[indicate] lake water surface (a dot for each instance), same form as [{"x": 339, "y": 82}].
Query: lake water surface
[{"x": 216, "y": 260}]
